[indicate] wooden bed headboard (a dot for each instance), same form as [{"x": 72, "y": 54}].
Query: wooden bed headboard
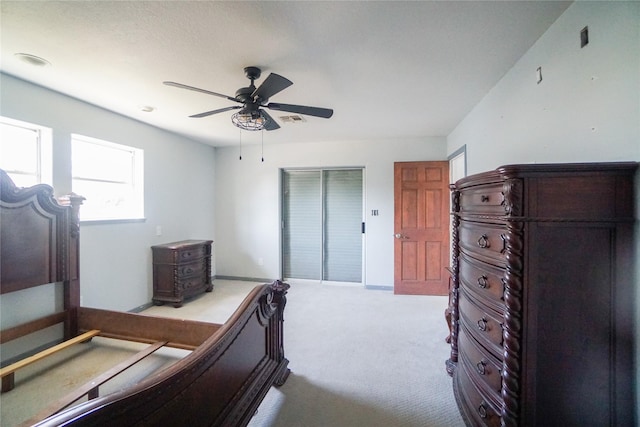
[{"x": 39, "y": 241}]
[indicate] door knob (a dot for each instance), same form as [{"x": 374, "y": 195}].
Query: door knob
[{"x": 399, "y": 236}]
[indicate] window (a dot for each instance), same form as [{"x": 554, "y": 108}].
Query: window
[
  {"x": 25, "y": 152},
  {"x": 109, "y": 176}
]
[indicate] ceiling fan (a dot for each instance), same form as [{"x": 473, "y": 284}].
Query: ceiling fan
[{"x": 252, "y": 115}]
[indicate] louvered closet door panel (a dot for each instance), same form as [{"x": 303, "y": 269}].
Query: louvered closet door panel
[
  {"x": 302, "y": 233},
  {"x": 342, "y": 225}
]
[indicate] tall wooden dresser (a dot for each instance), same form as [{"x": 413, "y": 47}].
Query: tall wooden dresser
[
  {"x": 181, "y": 269},
  {"x": 542, "y": 296}
]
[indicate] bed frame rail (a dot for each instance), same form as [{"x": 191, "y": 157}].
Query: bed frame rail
[
  {"x": 7, "y": 373},
  {"x": 91, "y": 388}
]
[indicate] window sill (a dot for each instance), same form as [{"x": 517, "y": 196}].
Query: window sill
[{"x": 111, "y": 221}]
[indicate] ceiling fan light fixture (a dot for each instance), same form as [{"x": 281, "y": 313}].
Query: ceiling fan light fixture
[{"x": 248, "y": 121}]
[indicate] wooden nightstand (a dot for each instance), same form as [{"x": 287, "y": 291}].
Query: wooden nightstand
[{"x": 181, "y": 269}]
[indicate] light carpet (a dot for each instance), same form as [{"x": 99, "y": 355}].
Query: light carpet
[
  {"x": 358, "y": 358},
  {"x": 362, "y": 358}
]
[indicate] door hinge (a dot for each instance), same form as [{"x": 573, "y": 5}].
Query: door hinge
[{"x": 363, "y": 228}]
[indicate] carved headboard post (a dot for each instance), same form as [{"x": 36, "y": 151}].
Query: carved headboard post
[{"x": 72, "y": 286}]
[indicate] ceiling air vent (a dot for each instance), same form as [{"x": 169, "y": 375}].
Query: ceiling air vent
[{"x": 292, "y": 119}]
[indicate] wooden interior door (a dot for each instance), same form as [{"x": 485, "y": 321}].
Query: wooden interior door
[{"x": 421, "y": 224}]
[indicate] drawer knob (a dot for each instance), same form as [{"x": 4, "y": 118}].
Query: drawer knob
[
  {"x": 481, "y": 367},
  {"x": 483, "y": 241},
  {"x": 482, "y": 324},
  {"x": 482, "y": 410},
  {"x": 483, "y": 281},
  {"x": 484, "y": 198}
]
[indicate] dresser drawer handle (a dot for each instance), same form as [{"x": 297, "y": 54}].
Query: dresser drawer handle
[
  {"x": 483, "y": 281},
  {"x": 481, "y": 367},
  {"x": 186, "y": 254},
  {"x": 483, "y": 241},
  {"x": 482, "y": 324},
  {"x": 482, "y": 410},
  {"x": 484, "y": 198}
]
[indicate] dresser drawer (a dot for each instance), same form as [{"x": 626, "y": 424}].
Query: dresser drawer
[
  {"x": 479, "y": 407},
  {"x": 188, "y": 286},
  {"x": 483, "y": 279},
  {"x": 192, "y": 269},
  {"x": 487, "y": 242},
  {"x": 190, "y": 254},
  {"x": 181, "y": 252},
  {"x": 483, "y": 199},
  {"x": 482, "y": 323},
  {"x": 483, "y": 365}
]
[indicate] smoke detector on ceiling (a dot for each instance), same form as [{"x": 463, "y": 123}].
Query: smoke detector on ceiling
[
  {"x": 292, "y": 119},
  {"x": 32, "y": 60}
]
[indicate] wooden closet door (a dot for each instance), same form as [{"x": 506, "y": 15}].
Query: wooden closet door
[{"x": 421, "y": 234}]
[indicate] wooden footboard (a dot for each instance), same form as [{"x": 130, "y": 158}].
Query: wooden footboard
[{"x": 221, "y": 383}]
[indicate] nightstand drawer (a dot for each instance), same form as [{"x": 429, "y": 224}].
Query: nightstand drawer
[
  {"x": 191, "y": 269},
  {"x": 190, "y": 254},
  {"x": 182, "y": 251}
]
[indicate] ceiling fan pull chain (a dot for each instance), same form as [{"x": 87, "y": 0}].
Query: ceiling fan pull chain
[
  {"x": 240, "y": 144},
  {"x": 262, "y": 143}
]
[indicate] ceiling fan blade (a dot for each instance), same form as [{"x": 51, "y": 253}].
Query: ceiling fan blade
[
  {"x": 219, "y": 110},
  {"x": 273, "y": 84},
  {"x": 208, "y": 92},
  {"x": 271, "y": 124},
  {"x": 302, "y": 109}
]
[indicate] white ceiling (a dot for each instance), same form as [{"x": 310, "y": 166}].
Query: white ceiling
[{"x": 388, "y": 69}]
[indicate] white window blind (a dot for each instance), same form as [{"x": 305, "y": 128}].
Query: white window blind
[
  {"x": 302, "y": 232},
  {"x": 109, "y": 176},
  {"x": 25, "y": 152},
  {"x": 342, "y": 225},
  {"x": 322, "y": 233}
]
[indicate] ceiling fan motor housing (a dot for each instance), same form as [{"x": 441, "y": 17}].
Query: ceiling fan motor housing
[
  {"x": 253, "y": 99},
  {"x": 244, "y": 93},
  {"x": 252, "y": 73}
]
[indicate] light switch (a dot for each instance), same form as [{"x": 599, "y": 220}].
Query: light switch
[
  {"x": 539, "y": 75},
  {"x": 584, "y": 37}
]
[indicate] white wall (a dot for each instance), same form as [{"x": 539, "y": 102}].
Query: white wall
[
  {"x": 586, "y": 109},
  {"x": 115, "y": 262},
  {"x": 248, "y": 200},
  {"x": 596, "y": 87}
]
